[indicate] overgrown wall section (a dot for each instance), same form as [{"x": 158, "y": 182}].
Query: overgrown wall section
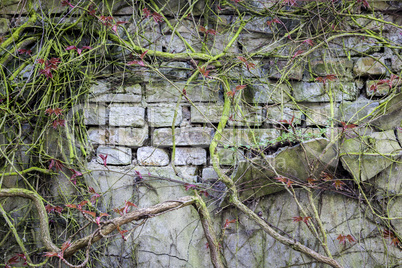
[{"x": 320, "y": 109}]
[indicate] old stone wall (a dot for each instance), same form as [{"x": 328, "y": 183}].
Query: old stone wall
[{"x": 320, "y": 111}]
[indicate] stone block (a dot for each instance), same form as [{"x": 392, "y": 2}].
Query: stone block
[
  {"x": 217, "y": 43},
  {"x": 152, "y": 156},
  {"x": 281, "y": 69},
  {"x": 381, "y": 88},
  {"x": 248, "y": 137},
  {"x": 147, "y": 33},
  {"x": 276, "y": 114},
  {"x": 209, "y": 173},
  {"x": 95, "y": 114},
  {"x": 104, "y": 91},
  {"x": 118, "y": 156},
  {"x": 349, "y": 46},
  {"x": 369, "y": 66},
  {"x": 353, "y": 112},
  {"x": 267, "y": 93},
  {"x": 338, "y": 67},
  {"x": 165, "y": 92},
  {"x": 381, "y": 5},
  {"x": 161, "y": 115},
  {"x": 242, "y": 115},
  {"x": 366, "y": 156},
  {"x": 173, "y": 44},
  {"x": 190, "y": 156},
  {"x": 187, "y": 173},
  {"x": 196, "y": 136},
  {"x": 126, "y": 116},
  {"x": 317, "y": 92},
  {"x": 253, "y": 42},
  {"x": 320, "y": 115},
  {"x": 125, "y": 136},
  {"x": 229, "y": 156},
  {"x": 206, "y": 113}
]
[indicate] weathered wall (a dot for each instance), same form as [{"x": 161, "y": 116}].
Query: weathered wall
[{"x": 343, "y": 127}]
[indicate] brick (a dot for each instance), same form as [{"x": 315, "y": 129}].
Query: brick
[{"x": 196, "y": 136}]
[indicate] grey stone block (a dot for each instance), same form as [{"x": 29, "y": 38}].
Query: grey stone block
[
  {"x": 95, "y": 114},
  {"x": 190, "y": 156},
  {"x": 165, "y": 92},
  {"x": 248, "y": 137},
  {"x": 206, "y": 113},
  {"x": 152, "y": 156},
  {"x": 103, "y": 91},
  {"x": 118, "y": 156},
  {"x": 126, "y": 115},
  {"x": 369, "y": 66},
  {"x": 317, "y": 92},
  {"x": 268, "y": 92},
  {"x": 196, "y": 136},
  {"x": 126, "y": 136},
  {"x": 241, "y": 115},
  {"x": 162, "y": 115}
]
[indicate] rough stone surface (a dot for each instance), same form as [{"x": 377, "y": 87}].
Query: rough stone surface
[
  {"x": 151, "y": 156},
  {"x": 340, "y": 67},
  {"x": 196, "y": 136},
  {"x": 374, "y": 89},
  {"x": 248, "y": 137},
  {"x": 366, "y": 156},
  {"x": 162, "y": 115},
  {"x": 115, "y": 156},
  {"x": 317, "y": 92},
  {"x": 245, "y": 116},
  {"x": 255, "y": 178},
  {"x": 165, "y": 92},
  {"x": 229, "y": 156},
  {"x": 126, "y": 136},
  {"x": 267, "y": 93},
  {"x": 276, "y": 114},
  {"x": 4, "y": 25},
  {"x": 355, "y": 111},
  {"x": 190, "y": 156},
  {"x": 103, "y": 91},
  {"x": 319, "y": 114},
  {"x": 209, "y": 113},
  {"x": 127, "y": 116},
  {"x": 95, "y": 114},
  {"x": 369, "y": 66}
]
